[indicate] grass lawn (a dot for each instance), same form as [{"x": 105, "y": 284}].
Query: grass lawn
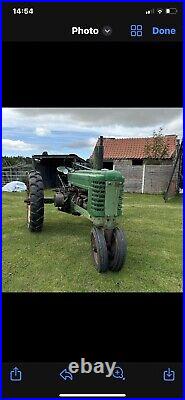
[{"x": 59, "y": 258}]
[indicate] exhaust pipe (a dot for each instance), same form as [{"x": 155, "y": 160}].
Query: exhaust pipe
[{"x": 98, "y": 154}]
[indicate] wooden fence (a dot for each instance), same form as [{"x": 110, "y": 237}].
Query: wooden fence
[{"x": 10, "y": 174}]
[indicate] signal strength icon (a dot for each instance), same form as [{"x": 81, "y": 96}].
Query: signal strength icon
[{"x": 150, "y": 11}]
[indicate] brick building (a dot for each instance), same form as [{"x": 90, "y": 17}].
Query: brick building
[{"x": 142, "y": 174}]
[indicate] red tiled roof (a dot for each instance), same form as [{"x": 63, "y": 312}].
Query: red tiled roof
[{"x": 134, "y": 147}]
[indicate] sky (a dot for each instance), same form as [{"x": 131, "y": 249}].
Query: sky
[{"x": 28, "y": 131}]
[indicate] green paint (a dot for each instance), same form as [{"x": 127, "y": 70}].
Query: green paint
[
  {"x": 81, "y": 210},
  {"x": 112, "y": 192},
  {"x": 105, "y": 191}
]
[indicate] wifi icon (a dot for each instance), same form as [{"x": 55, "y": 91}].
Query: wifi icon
[{"x": 159, "y": 11}]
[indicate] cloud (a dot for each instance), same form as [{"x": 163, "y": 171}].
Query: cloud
[
  {"x": 42, "y": 131},
  {"x": 120, "y": 122},
  {"x": 83, "y": 144},
  {"x": 63, "y": 129},
  {"x": 95, "y": 117},
  {"x": 16, "y": 145},
  {"x": 174, "y": 126}
]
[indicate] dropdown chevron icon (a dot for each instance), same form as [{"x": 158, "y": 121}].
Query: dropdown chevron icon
[{"x": 107, "y": 30}]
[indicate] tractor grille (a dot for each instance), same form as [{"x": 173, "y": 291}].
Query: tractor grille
[{"x": 98, "y": 196}]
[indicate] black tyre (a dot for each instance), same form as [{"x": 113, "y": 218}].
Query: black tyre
[
  {"x": 118, "y": 250},
  {"x": 35, "y": 205},
  {"x": 99, "y": 250}
]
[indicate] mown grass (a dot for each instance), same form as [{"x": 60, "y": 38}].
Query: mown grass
[{"x": 59, "y": 258}]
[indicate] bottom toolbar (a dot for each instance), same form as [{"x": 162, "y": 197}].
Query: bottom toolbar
[{"x": 84, "y": 378}]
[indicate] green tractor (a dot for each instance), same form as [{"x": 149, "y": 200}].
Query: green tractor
[{"x": 96, "y": 194}]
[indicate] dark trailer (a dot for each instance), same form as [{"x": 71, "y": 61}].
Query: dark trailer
[{"x": 47, "y": 166}]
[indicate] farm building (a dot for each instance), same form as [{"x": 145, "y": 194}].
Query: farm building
[{"x": 143, "y": 174}]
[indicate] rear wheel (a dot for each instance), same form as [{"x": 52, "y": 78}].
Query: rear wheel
[
  {"x": 99, "y": 249},
  {"x": 118, "y": 250},
  {"x": 35, "y": 204}
]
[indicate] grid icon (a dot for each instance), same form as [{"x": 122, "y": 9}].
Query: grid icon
[{"x": 136, "y": 30}]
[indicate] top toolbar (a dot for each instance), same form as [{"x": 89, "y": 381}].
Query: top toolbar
[{"x": 120, "y": 22}]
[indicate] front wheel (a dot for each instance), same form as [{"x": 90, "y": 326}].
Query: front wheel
[
  {"x": 99, "y": 249},
  {"x": 118, "y": 250}
]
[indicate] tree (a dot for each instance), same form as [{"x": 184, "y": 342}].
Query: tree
[
  {"x": 156, "y": 147},
  {"x": 9, "y": 161}
]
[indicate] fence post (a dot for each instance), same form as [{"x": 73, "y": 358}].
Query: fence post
[{"x": 143, "y": 179}]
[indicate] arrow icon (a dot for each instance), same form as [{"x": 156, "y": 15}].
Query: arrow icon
[
  {"x": 169, "y": 375},
  {"x": 15, "y": 375},
  {"x": 66, "y": 375},
  {"x": 107, "y": 30}
]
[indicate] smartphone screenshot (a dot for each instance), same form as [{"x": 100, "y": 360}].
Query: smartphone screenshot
[{"x": 92, "y": 187}]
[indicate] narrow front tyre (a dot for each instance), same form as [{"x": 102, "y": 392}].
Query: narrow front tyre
[
  {"x": 99, "y": 249},
  {"x": 118, "y": 250}
]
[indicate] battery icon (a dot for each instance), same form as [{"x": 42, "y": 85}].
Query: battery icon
[{"x": 171, "y": 10}]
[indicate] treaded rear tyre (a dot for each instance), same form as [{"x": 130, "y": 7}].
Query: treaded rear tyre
[
  {"x": 99, "y": 249},
  {"x": 35, "y": 206},
  {"x": 118, "y": 251}
]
